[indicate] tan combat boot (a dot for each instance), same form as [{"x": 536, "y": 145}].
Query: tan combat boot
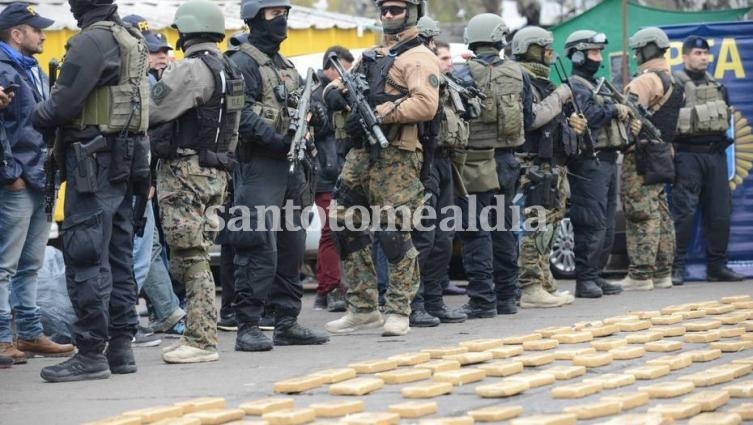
[
  {"x": 190, "y": 354},
  {"x": 534, "y": 296},
  {"x": 396, "y": 325},
  {"x": 352, "y": 322},
  {"x": 663, "y": 282},
  {"x": 630, "y": 284},
  {"x": 8, "y": 349}
]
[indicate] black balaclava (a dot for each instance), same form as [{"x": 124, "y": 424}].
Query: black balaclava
[
  {"x": 267, "y": 35},
  {"x": 80, "y": 7},
  {"x": 589, "y": 67}
]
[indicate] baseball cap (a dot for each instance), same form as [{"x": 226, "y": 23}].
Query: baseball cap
[
  {"x": 21, "y": 13},
  {"x": 154, "y": 41},
  {"x": 695, "y": 42}
]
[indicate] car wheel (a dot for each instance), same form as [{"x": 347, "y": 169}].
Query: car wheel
[{"x": 562, "y": 257}]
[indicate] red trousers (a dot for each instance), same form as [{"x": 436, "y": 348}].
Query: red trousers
[{"x": 327, "y": 259}]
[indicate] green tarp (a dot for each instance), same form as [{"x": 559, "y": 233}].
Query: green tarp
[{"x": 606, "y": 17}]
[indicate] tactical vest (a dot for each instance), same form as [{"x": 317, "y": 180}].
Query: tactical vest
[
  {"x": 705, "y": 110},
  {"x": 500, "y": 124},
  {"x": 111, "y": 108},
  {"x": 665, "y": 113},
  {"x": 276, "y": 83},
  {"x": 550, "y": 141},
  {"x": 453, "y": 132},
  {"x": 211, "y": 126},
  {"x": 612, "y": 136}
]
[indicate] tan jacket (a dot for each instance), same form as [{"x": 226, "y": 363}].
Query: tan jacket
[{"x": 647, "y": 85}]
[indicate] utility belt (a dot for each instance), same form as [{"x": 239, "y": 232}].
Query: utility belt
[
  {"x": 129, "y": 159},
  {"x": 559, "y": 159},
  {"x": 711, "y": 148},
  {"x": 608, "y": 155}
]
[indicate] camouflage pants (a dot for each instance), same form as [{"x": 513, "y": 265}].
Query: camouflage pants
[
  {"x": 649, "y": 230},
  {"x": 390, "y": 182},
  {"x": 533, "y": 261},
  {"x": 185, "y": 192}
]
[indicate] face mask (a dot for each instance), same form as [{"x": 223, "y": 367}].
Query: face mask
[
  {"x": 393, "y": 26},
  {"x": 277, "y": 28},
  {"x": 591, "y": 67}
]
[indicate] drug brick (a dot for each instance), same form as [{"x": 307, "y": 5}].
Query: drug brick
[
  {"x": 222, "y": 416},
  {"x": 414, "y": 409},
  {"x": 677, "y": 410},
  {"x": 603, "y": 330},
  {"x": 663, "y": 346},
  {"x": 595, "y": 410},
  {"x": 708, "y": 378},
  {"x": 721, "y": 309},
  {"x": 506, "y": 352},
  {"x": 738, "y": 370},
  {"x": 627, "y": 353},
  {"x": 644, "y": 337},
  {"x": 668, "y": 389},
  {"x": 439, "y": 352},
  {"x": 674, "y": 362},
  {"x": 578, "y": 390},
  {"x": 646, "y": 314},
  {"x": 461, "y": 376},
  {"x": 638, "y": 325},
  {"x": 669, "y": 319},
  {"x": 426, "y": 390},
  {"x": 439, "y": 365},
  {"x": 649, "y": 372},
  {"x": 709, "y": 400},
  {"x": 613, "y": 380},
  {"x": 608, "y": 344},
  {"x": 372, "y": 418},
  {"x": 693, "y": 314},
  {"x": 593, "y": 360},
  {"x": 702, "y": 337},
  {"x": 732, "y": 332},
  {"x": 742, "y": 389},
  {"x": 745, "y": 411},
  {"x": 374, "y": 366},
  {"x": 668, "y": 331},
  {"x": 732, "y": 346},
  {"x": 267, "y": 405},
  {"x": 154, "y": 414},
  {"x": 470, "y": 358},
  {"x": 520, "y": 339},
  {"x": 482, "y": 344},
  {"x": 202, "y": 403},
  {"x": 716, "y": 419},
  {"x": 540, "y": 344},
  {"x": 495, "y": 413},
  {"x": 298, "y": 385},
  {"x": 454, "y": 420},
  {"x": 573, "y": 337},
  {"x": 547, "y": 419},
  {"x": 402, "y": 376},
  {"x": 629, "y": 400},
  {"x": 548, "y": 332},
  {"x": 735, "y": 298},
  {"x": 535, "y": 380},
  {"x": 502, "y": 368},
  {"x": 702, "y": 325},
  {"x": 505, "y": 388},
  {"x": 176, "y": 421},
  {"x": 337, "y": 408},
  {"x": 623, "y": 318},
  {"x": 538, "y": 359},
  {"x": 410, "y": 359},
  {"x": 732, "y": 318},
  {"x": 571, "y": 353},
  {"x": 333, "y": 376},
  {"x": 566, "y": 372},
  {"x": 118, "y": 420},
  {"x": 356, "y": 386},
  {"x": 745, "y": 360}
]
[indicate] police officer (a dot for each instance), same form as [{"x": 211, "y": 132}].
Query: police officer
[
  {"x": 433, "y": 243},
  {"x": 267, "y": 261},
  {"x": 403, "y": 76},
  {"x": 593, "y": 182},
  {"x": 648, "y": 224},
  {"x": 194, "y": 114},
  {"x": 100, "y": 106},
  {"x": 701, "y": 164}
]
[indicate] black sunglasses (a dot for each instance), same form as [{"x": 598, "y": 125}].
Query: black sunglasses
[{"x": 393, "y": 10}]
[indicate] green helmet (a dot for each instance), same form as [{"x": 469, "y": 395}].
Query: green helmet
[
  {"x": 199, "y": 16},
  {"x": 649, "y": 35},
  {"x": 530, "y": 35},
  {"x": 251, "y": 8},
  {"x": 485, "y": 28},
  {"x": 428, "y": 27},
  {"x": 583, "y": 40}
]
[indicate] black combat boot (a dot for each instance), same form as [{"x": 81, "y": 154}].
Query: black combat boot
[
  {"x": 80, "y": 367},
  {"x": 419, "y": 318},
  {"x": 678, "y": 276},
  {"x": 723, "y": 274},
  {"x": 587, "y": 289},
  {"x": 289, "y": 332},
  {"x": 251, "y": 338},
  {"x": 477, "y": 312},
  {"x": 336, "y": 301},
  {"x": 227, "y": 322},
  {"x": 320, "y": 302},
  {"x": 607, "y": 287},
  {"x": 446, "y": 315},
  {"x": 508, "y": 306},
  {"x": 120, "y": 355}
]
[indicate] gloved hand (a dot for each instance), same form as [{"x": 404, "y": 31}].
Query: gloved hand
[
  {"x": 319, "y": 115},
  {"x": 354, "y": 129},
  {"x": 623, "y": 112},
  {"x": 564, "y": 92},
  {"x": 635, "y": 126},
  {"x": 578, "y": 123},
  {"x": 335, "y": 100}
]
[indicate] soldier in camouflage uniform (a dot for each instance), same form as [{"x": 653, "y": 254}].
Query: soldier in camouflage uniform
[
  {"x": 194, "y": 148},
  {"x": 404, "y": 81}
]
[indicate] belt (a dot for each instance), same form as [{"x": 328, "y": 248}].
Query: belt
[
  {"x": 712, "y": 148},
  {"x": 610, "y": 155}
]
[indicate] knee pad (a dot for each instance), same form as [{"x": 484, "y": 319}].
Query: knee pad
[
  {"x": 347, "y": 242},
  {"x": 395, "y": 244}
]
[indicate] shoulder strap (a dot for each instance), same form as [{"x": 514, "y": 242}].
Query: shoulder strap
[
  {"x": 257, "y": 55},
  {"x": 583, "y": 81},
  {"x": 667, "y": 82}
]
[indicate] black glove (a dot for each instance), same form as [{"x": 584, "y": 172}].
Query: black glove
[
  {"x": 354, "y": 129},
  {"x": 319, "y": 118},
  {"x": 335, "y": 100}
]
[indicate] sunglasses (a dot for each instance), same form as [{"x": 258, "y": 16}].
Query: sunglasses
[{"x": 393, "y": 10}]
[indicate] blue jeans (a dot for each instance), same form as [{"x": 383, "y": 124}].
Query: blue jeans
[
  {"x": 152, "y": 275},
  {"x": 23, "y": 235}
]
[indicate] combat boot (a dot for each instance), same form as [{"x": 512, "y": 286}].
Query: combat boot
[
  {"x": 607, "y": 287},
  {"x": 724, "y": 274},
  {"x": 251, "y": 338},
  {"x": 289, "y": 332},
  {"x": 474, "y": 311},
  {"x": 663, "y": 282},
  {"x": 419, "y": 318},
  {"x": 587, "y": 289},
  {"x": 190, "y": 354},
  {"x": 534, "y": 296},
  {"x": 352, "y": 322},
  {"x": 80, "y": 367},
  {"x": 564, "y": 295},
  {"x": 396, "y": 325},
  {"x": 630, "y": 284},
  {"x": 320, "y": 302},
  {"x": 120, "y": 355},
  {"x": 446, "y": 315},
  {"x": 336, "y": 301},
  {"x": 678, "y": 276},
  {"x": 508, "y": 306}
]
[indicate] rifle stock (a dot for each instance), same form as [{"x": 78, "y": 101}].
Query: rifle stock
[
  {"x": 299, "y": 124},
  {"x": 49, "y": 138}
]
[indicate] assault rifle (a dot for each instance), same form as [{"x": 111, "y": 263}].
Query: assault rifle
[
  {"x": 589, "y": 140},
  {"x": 299, "y": 122},
  {"x": 639, "y": 111},
  {"x": 357, "y": 88},
  {"x": 50, "y": 137},
  {"x": 458, "y": 93}
]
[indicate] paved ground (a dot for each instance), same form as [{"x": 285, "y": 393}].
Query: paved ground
[{"x": 240, "y": 377}]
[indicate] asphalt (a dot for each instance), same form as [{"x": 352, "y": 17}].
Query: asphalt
[{"x": 241, "y": 377}]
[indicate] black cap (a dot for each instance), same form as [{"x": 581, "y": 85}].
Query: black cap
[
  {"x": 21, "y": 13},
  {"x": 154, "y": 41},
  {"x": 694, "y": 42}
]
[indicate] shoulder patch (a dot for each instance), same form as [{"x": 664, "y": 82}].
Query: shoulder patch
[
  {"x": 433, "y": 80},
  {"x": 160, "y": 91}
]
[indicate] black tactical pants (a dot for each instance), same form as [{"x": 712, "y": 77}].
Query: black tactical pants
[
  {"x": 98, "y": 253},
  {"x": 268, "y": 258},
  {"x": 490, "y": 258},
  {"x": 701, "y": 180},
  {"x": 593, "y": 198},
  {"x": 434, "y": 244}
]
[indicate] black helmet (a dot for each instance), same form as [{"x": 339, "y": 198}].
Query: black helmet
[{"x": 80, "y": 7}]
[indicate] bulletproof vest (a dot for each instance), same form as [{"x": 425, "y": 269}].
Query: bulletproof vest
[
  {"x": 500, "y": 124},
  {"x": 112, "y": 108},
  {"x": 544, "y": 141},
  {"x": 705, "y": 110},
  {"x": 665, "y": 113},
  {"x": 453, "y": 132},
  {"x": 276, "y": 83},
  {"x": 211, "y": 125},
  {"x": 612, "y": 136}
]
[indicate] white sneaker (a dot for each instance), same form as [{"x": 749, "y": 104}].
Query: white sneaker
[
  {"x": 172, "y": 347},
  {"x": 535, "y": 296},
  {"x": 352, "y": 322},
  {"x": 663, "y": 283},
  {"x": 396, "y": 325},
  {"x": 630, "y": 284},
  {"x": 189, "y": 354}
]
